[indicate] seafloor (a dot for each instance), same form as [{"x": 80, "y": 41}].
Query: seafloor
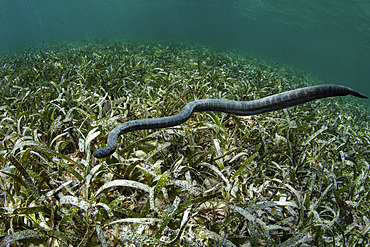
[{"x": 293, "y": 177}]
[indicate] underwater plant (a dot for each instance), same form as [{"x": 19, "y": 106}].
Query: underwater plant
[{"x": 294, "y": 176}]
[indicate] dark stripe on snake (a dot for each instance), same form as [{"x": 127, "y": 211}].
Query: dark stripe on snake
[{"x": 241, "y": 108}]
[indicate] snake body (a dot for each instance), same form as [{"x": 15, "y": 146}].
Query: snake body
[{"x": 241, "y": 108}]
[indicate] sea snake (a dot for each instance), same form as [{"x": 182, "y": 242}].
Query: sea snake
[{"x": 241, "y": 108}]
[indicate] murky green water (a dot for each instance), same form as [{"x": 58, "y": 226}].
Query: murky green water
[{"x": 328, "y": 39}]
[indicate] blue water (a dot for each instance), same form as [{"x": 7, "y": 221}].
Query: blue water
[{"x": 329, "y": 39}]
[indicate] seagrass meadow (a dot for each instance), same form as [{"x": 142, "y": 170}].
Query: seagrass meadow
[{"x": 293, "y": 177}]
